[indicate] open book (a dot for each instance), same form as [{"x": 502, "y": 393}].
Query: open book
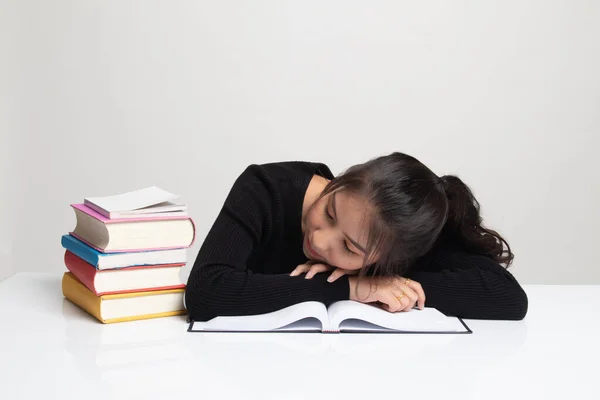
[{"x": 341, "y": 316}]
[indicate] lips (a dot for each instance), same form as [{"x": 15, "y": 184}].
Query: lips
[{"x": 310, "y": 250}]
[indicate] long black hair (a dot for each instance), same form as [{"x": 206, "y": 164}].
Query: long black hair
[{"x": 411, "y": 208}]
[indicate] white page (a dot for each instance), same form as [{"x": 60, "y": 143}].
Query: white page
[
  {"x": 164, "y": 207},
  {"x": 426, "y": 320},
  {"x": 132, "y": 200},
  {"x": 266, "y": 322},
  {"x": 357, "y": 325},
  {"x": 306, "y": 324}
]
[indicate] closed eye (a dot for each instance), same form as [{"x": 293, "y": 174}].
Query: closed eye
[
  {"x": 330, "y": 217},
  {"x": 347, "y": 249}
]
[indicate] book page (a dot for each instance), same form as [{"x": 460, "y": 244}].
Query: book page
[
  {"x": 131, "y": 200},
  {"x": 358, "y": 325},
  {"x": 164, "y": 209},
  {"x": 165, "y": 206},
  {"x": 426, "y": 320},
  {"x": 284, "y": 318},
  {"x": 304, "y": 325}
]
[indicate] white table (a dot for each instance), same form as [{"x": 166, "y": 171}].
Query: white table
[{"x": 50, "y": 349}]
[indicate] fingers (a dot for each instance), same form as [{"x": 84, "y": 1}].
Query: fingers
[
  {"x": 310, "y": 270},
  {"x": 413, "y": 290},
  {"x": 416, "y": 286},
  {"x": 406, "y": 303},
  {"x": 395, "y": 294},
  {"x": 392, "y": 301},
  {"x": 409, "y": 296},
  {"x": 315, "y": 269},
  {"x": 338, "y": 272},
  {"x": 413, "y": 297},
  {"x": 300, "y": 269}
]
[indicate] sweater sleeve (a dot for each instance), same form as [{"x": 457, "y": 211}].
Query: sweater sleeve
[
  {"x": 470, "y": 286},
  {"x": 220, "y": 284}
]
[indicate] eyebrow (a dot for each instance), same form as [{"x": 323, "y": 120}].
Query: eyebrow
[{"x": 359, "y": 247}]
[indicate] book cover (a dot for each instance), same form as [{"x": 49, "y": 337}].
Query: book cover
[
  {"x": 105, "y": 221},
  {"x": 82, "y": 250},
  {"x": 92, "y": 213},
  {"x": 119, "y": 260},
  {"x": 78, "y": 294},
  {"x": 87, "y": 273}
]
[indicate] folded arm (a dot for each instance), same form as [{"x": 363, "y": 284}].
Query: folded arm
[{"x": 470, "y": 286}]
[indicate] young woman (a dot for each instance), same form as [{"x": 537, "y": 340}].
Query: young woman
[{"x": 388, "y": 231}]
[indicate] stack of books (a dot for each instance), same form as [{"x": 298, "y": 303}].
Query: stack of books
[{"x": 125, "y": 255}]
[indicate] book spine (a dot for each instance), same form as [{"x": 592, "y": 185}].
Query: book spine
[
  {"x": 145, "y": 316},
  {"x": 78, "y": 294},
  {"x": 80, "y": 249},
  {"x": 97, "y": 209},
  {"x": 96, "y": 215},
  {"x": 85, "y": 272}
]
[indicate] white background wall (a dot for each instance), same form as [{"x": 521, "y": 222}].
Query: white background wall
[
  {"x": 108, "y": 96},
  {"x": 9, "y": 132}
]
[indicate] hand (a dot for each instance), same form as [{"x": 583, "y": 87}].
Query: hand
[
  {"x": 396, "y": 294},
  {"x": 311, "y": 269}
]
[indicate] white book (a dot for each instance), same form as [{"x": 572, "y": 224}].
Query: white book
[
  {"x": 341, "y": 316},
  {"x": 150, "y": 201}
]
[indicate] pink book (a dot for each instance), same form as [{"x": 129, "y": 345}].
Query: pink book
[
  {"x": 100, "y": 217},
  {"x": 93, "y": 228}
]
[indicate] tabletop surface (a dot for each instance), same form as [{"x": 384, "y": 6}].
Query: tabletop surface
[{"x": 51, "y": 349}]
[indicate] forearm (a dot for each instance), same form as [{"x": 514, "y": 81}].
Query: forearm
[
  {"x": 352, "y": 286},
  {"x": 477, "y": 293},
  {"x": 220, "y": 291}
]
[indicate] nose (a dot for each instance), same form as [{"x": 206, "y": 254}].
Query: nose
[{"x": 319, "y": 241}]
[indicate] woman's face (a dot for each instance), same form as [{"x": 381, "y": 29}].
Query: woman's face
[{"x": 335, "y": 230}]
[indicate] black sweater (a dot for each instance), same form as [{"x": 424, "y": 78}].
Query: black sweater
[{"x": 244, "y": 263}]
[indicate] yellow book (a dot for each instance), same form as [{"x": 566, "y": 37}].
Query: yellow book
[{"x": 126, "y": 306}]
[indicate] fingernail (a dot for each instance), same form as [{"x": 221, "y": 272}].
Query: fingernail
[{"x": 330, "y": 279}]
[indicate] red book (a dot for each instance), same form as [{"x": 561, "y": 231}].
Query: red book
[{"x": 125, "y": 280}]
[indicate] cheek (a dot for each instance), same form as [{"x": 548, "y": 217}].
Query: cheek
[
  {"x": 310, "y": 216},
  {"x": 313, "y": 218},
  {"x": 351, "y": 265}
]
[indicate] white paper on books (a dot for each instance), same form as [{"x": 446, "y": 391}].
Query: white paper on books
[
  {"x": 342, "y": 316},
  {"x": 145, "y": 200}
]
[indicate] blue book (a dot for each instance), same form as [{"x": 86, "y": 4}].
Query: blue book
[
  {"x": 103, "y": 261},
  {"x": 81, "y": 250}
]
